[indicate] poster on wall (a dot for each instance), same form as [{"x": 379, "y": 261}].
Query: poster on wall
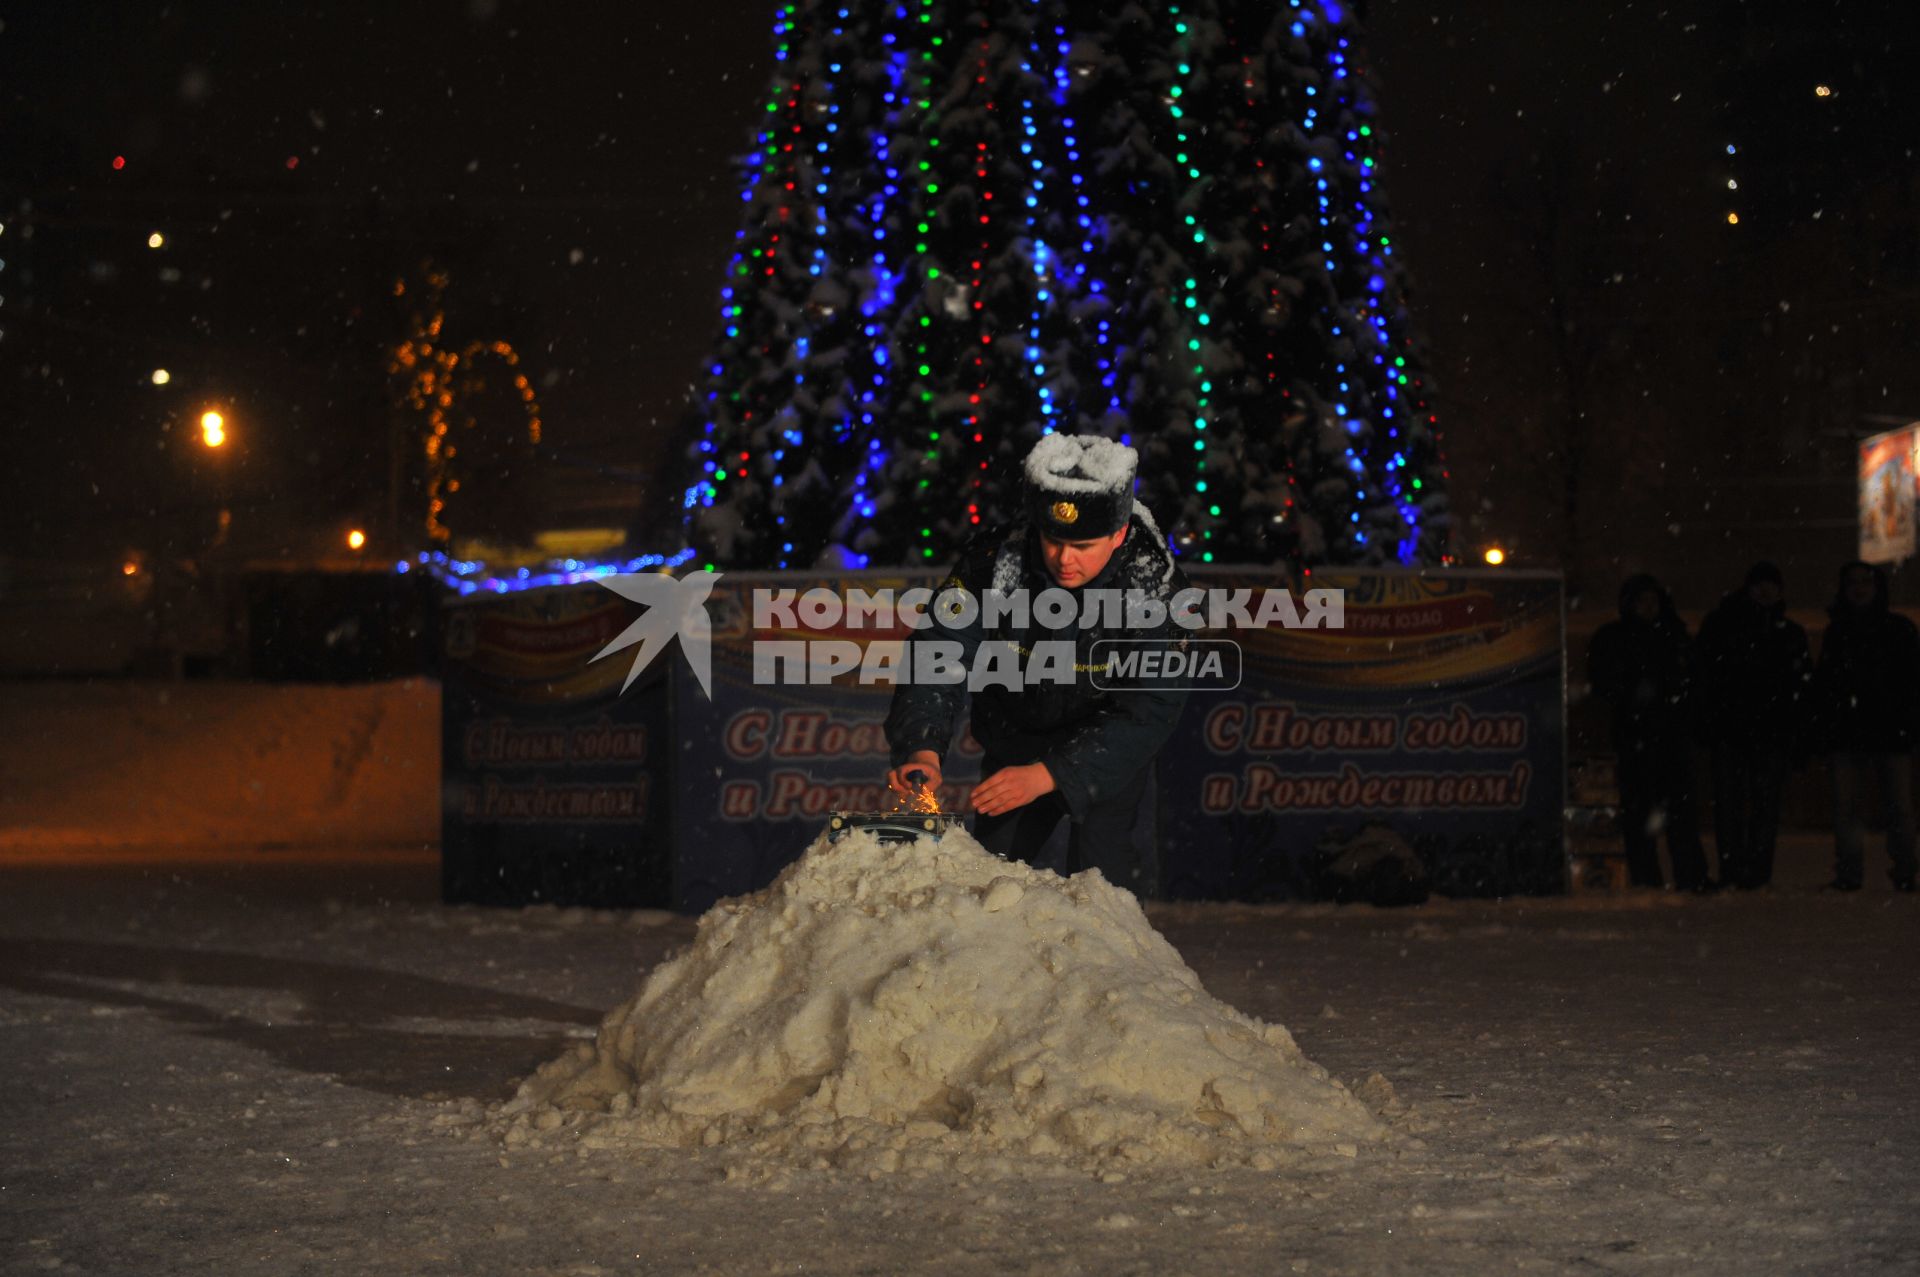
[
  {"x": 1887, "y": 478},
  {"x": 1418, "y": 747},
  {"x": 554, "y": 782}
]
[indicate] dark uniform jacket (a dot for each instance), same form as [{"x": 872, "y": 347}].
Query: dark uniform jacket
[{"x": 1092, "y": 741}]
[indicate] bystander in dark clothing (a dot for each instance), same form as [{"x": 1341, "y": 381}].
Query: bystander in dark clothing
[
  {"x": 1639, "y": 666},
  {"x": 1751, "y": 674},
  {"x": 1867, "y": 695}
]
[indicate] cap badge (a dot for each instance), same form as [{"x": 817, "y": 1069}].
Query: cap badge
[{"x": 1065, "y": 512}]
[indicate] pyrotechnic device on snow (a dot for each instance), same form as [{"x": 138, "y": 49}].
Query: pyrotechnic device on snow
[{"x": 917, "y": 815}]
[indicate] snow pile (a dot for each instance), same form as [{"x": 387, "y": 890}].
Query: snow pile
[
  {"x": 170, "y": 764},
  {"x": 1081, "y": 463},
  {"x": 926, "y": 1005}
]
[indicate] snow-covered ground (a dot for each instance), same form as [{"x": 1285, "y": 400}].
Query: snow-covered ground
[{"x": 237, "y": 1062}]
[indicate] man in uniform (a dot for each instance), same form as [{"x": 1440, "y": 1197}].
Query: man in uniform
[{"x": 1054, "y": 748}]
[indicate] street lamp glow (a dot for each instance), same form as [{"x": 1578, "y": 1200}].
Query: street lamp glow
[
  {"x": 1495, "y": 556},
  {"x": 161, "y": 376},
  {"x": 156, "y": 240},
  {"x": 213, "y": 429},
  {"x": 356, "y": 539}
]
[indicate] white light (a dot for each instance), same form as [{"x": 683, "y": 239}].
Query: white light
[
  {"x": 1732, "y": 185},
  {"x": 156, "y": 239},
  {"x": 161, "y": 376}
]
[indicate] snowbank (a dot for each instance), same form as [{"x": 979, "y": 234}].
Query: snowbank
[
  {"x": 120, "y": 763},
  {"x": 929, "y": 1005}
]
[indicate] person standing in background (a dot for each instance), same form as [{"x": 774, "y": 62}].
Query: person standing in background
[
  {"x": 1639, "y": 666},
  {"x": 1752, "y": 670},
  {"x": 1867, "y": 695}
]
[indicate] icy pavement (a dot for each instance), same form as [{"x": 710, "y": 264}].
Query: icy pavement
[{"x": 255, "y": 1064}]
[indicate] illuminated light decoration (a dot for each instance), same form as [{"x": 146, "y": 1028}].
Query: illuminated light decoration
[
  {"x": 213, "y": 429},
  {"x": 471, "y": 576},
  {"x": 356, "y": 540},
  {"x": 119, "y": 162},
  {"x": 962, "y": 307},
  {"x": 440, "y": 384},
  {"x": 156, "y": 240},
  {"x": 1495, "y": 556},
  {"x": 161, "y": 376},
  {"x": 1822, "y": 91}
]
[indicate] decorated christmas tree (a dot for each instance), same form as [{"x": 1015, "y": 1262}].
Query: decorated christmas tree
[{"x": 967, "y": 224}]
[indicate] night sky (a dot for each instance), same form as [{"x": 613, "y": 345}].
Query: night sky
[{"x": 1559, "y": 175}]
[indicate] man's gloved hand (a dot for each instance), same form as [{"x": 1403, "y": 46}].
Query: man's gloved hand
[
  {"x": 1012, "y": 787},
  {"x": 925, "y": 761}
]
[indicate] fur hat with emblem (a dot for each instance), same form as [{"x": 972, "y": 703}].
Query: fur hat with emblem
[{"x": 1080, "y": 487}]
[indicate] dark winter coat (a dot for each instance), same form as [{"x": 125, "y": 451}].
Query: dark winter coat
[
  {"x": 1752, "y": 671},
  {"x": 1640, "y": 668},
  {"x": 1092, "y": 741},
  {"x": 1867, "y": 684}
]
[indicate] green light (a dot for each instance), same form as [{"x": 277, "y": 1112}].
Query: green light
[
  {"x": 1199, "y": 445},
  {"x": 1185, "y": 69},
  {"x": 1190, "y": 222},
  {"x": 1194, "y": 344},
  {"x": 1399, "y": 362},
  {"x": 1181, "y": 158},
  {"x": 1192, "y": 283},
  {"x": 1191, "y": 303},
  {"x": 1199, "y": 237},
  {"x": 1206, "y": 556},
  {"x": 933, "y": 188},
  {"x": 1199, "y": 423},
  {"x": 1200, "y": 486},
  {"x": 926, "y": 532},
  {"x": 1205, "y": 320},
  {"x": 934, "y": 435},
  {"x": 1194, "y": 173},
  {"x": 1175, "y": 91},
  {"x": 933, "y": 272},
  {"x": 1366, "y": 130},
  {"x": 1206, "y": 387},
  {"x": 1214, "y": 510},
  {"x": 923, "y": 226},
  {"x": 926, "y": 321},
  {"x": 924, "y": 166},
  {"x": 707, "y": 568},
  {"x": 925, "y": 370},
  {"x": 1416, "y": 484},
  {"x": 1181, "y": 27},
  {"x": 1177, "y": 112}
]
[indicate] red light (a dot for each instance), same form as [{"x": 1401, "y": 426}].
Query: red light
[
  {"x": 293, "y": 162},
  {"x": 119, "y": 162}
]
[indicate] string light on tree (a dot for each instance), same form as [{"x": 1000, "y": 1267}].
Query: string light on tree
[{"x": 1017, "y": 226}]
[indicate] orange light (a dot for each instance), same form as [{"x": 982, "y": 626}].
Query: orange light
[
  {"x": 356, "y": 539},
  {"x": 1495, "y": 556},
  {"x": 1733, "y": 219},
  {"x": 129, "y": 568},
  {"x": 213, "y": 429}
]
